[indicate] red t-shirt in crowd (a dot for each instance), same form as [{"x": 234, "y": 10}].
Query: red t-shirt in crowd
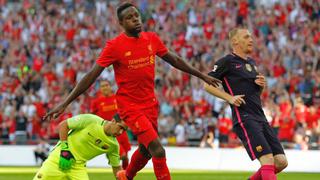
[
  {"x": 278, "y": 70},
  {"x": 104, "y": 106},
  {"x": 285, "y": 109},
  {"x": 208, "y": 30},
  {"x": 224, "y": 125},
  {"x": 70, "y": 74},
  {"x": 50, "y": 76},
  {"x": 301, "y": 112},
  {"x": 312, "y": 120},
  {"x": 36, "y": 126},
  {"x": 40, "y": 109},
  {"x": 133, "y": 60},
  {"x": 37, "y": 64},
  {"x": 286, "y": 129},
  {"x": 202, "y": 107}
]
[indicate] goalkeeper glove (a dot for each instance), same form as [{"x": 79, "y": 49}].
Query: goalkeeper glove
[{"x": 66, "y": 157}]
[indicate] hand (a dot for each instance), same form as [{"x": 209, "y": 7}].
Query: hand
[
  {"x": 211, "y": 80},
  {"x": 237, "y": 100},
  {"x": 55, "y": 112},
  {"x": 66, "y": 158},
  {"x": 261, "y": 80}
]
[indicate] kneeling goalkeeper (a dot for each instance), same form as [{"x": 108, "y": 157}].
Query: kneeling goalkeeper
[{"x": 82, "y": 138}]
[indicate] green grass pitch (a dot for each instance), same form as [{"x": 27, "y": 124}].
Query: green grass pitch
[{"x": 27, "y": 173}]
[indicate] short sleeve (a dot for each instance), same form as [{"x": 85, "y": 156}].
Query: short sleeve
[
  {"x": 220, "y": 69},
  {"x": 107, "y": 55},
  {"x": 161, "y": 49},
  {"x": 81, "y": 121},
  {"x": 114, "y": 157}
]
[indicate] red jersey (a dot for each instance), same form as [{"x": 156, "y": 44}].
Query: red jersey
[
  {"x": 133, "y": 60},
  {"x": 105, "y": 107}
]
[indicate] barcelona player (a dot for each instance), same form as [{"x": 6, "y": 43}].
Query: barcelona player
[
  {"x": 82, "y": 138},
  {"x": 242, "y": 88}
]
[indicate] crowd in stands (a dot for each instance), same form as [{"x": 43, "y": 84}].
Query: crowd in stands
[{"x": 47, "y": 46}]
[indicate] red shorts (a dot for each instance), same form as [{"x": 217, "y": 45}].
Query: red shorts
[
  {"x": 143, "y": 123},
  {"x": 124, "y": 144}
]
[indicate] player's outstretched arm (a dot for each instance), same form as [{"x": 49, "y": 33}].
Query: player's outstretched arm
[
  {"x": 236, "y": 100},
  {"x": 81, "y": 87},
  {"x": 179, "y": 63}
]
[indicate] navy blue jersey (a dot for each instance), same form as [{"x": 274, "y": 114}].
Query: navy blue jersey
[{"x": 238, "y": 76}]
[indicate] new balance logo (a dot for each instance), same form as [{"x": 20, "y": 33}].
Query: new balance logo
[{"x": 238, "y": 66}]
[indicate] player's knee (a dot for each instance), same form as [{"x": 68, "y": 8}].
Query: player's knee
[
  {"x": 156, "y": 149},
  {"x": 159, "y": 152},
  {"x": 143, "y": 150},
  {"x": 281, "y": 164},
  {"x": 266, "y": 159}
]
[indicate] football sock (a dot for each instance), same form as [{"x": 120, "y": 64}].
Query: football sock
[
  {"x": 138, "y": 161},
  {"x": 160, "y": 168},
  {"x": 267, "y": 172},
  {"x": 256, "y": 176}
]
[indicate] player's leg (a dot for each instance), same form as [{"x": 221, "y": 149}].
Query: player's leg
[
  {"x": 155, "y": 147},
  {"x": 124, "y": 158},
  {"x": 138, "y": 161},
  {"x": 50, "y": 169},
  {"x": 280, "y": 160},
  {"x": 144, "y": 125},
  {"x": 251, "y": 134},
  {"x": 267, "y": 169},
  {"x": 139, "y": 124},
  {"x": 78, "y": 172},
  {"x": 158, "y": 153},
  {"x": 125, "y": 146},
  {"x": 150, "y": 139}
]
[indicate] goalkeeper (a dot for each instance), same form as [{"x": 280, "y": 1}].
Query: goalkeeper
[{"x": 82, "y": 138}]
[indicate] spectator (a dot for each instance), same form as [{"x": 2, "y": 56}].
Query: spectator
[
  {"x": 224, "y": 126},
  {"x": 41, "y": 151},
  {"x": 180, "y": 132},
  {"x": 21, "y": 121}
]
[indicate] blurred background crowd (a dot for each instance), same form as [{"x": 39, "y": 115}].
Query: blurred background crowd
[{"x": 47, "y": 46}]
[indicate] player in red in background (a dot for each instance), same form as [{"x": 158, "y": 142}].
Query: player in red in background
[
  {"x": 132, "y": 54},
  {"x": 105, "y": 106}
]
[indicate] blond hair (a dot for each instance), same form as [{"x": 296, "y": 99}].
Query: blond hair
[{"x": 234, "y": 32}]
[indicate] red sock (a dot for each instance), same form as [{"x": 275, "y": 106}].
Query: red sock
[
  {"x": 125, "y": 163},
  {"x": 160, "y": 168},
  {"x": 256, "y": 176},
  {"x": 138, "y": 161},
  {"x": 267, "y": 172}
]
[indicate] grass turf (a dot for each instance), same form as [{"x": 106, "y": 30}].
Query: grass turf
[{"x": 26, "y": 173}]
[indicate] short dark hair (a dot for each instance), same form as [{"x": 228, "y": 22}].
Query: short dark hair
[{"x": 122, "y": 7}]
